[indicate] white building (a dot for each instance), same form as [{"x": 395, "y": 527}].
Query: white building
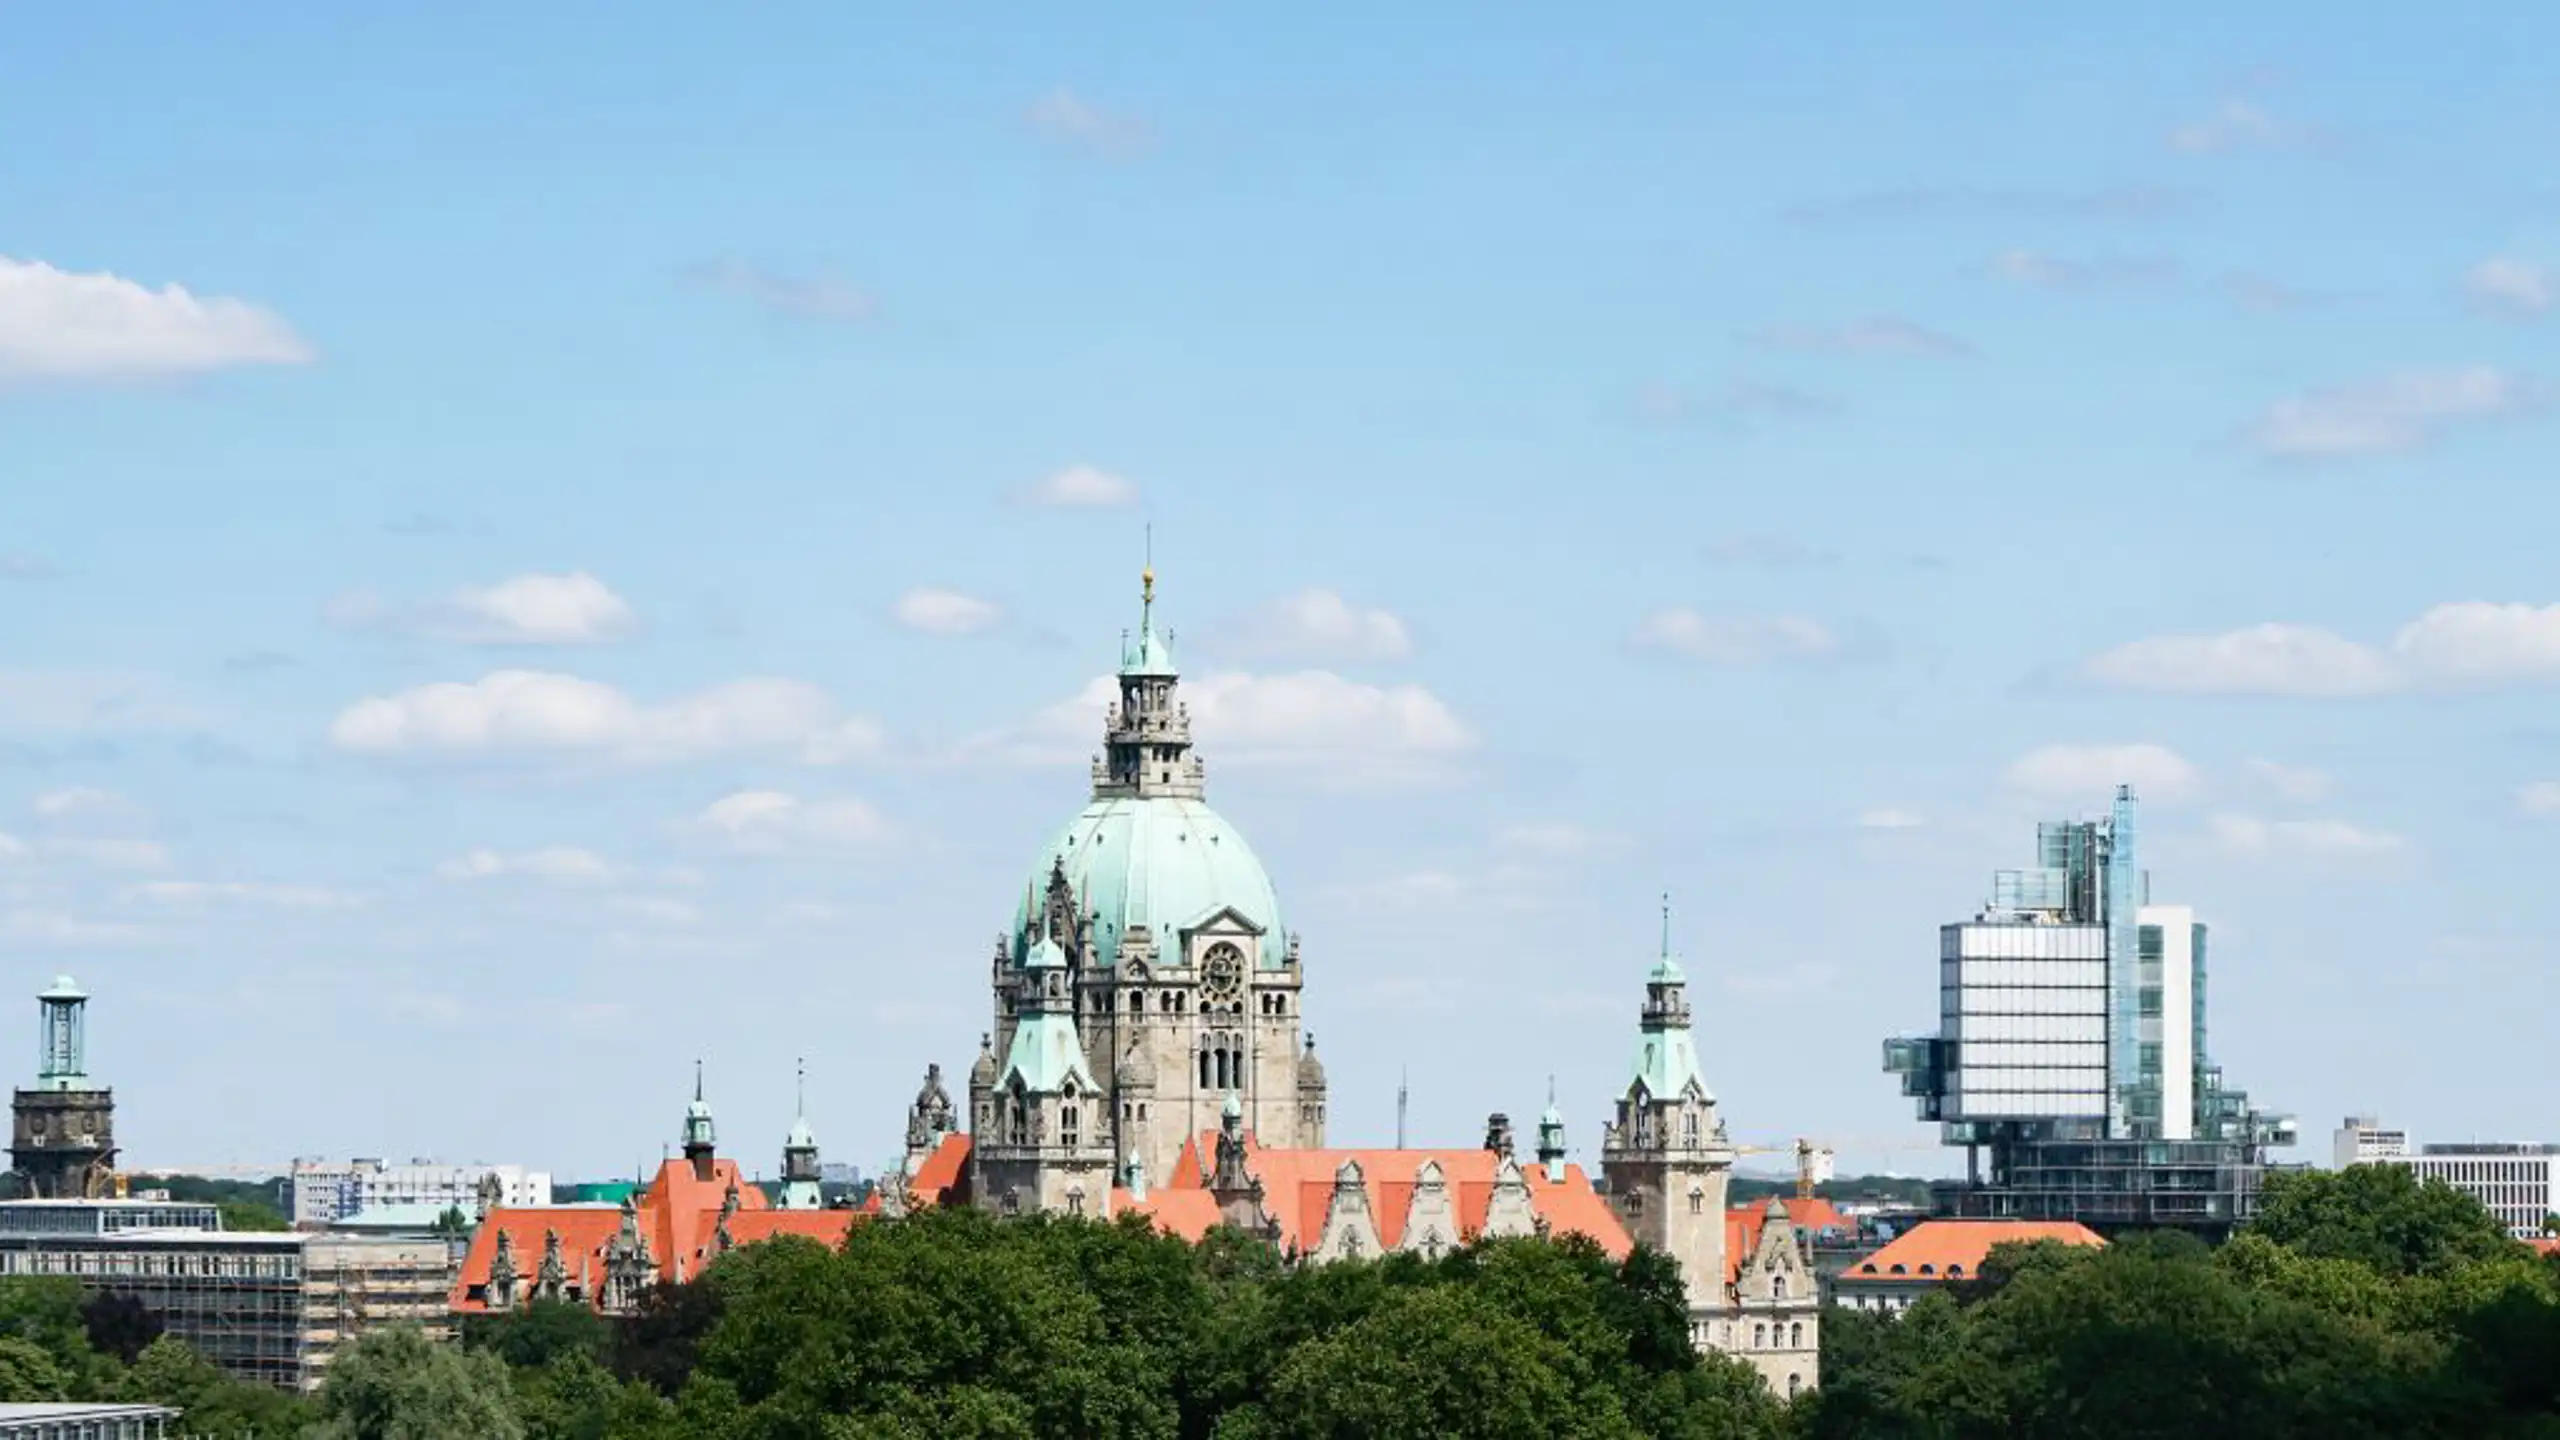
[
  {"x": 2518, "y": 1183},
  {"x": 327, "y": 1191},
  {"x": 2363, "y": 1140}
]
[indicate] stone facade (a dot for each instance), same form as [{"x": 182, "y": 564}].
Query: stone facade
[
  {"x": 1170, "y": 1020},
  {"x": 62, "y": 1141}
]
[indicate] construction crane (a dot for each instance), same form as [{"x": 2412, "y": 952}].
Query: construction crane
[{"x": 1813, "y": 1162}]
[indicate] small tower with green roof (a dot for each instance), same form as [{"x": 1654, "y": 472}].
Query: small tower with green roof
[
  {"x": 63, "y": 1134},
  {"x": 800, "y": 1188},
  {"x": 1664, "y": 1157},
  {"x": 1049, "y": 1146},
  {"x": 699, "y": 1141}
]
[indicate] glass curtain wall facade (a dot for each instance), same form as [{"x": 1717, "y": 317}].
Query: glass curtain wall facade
[{"x": 2070, "y": 1058}]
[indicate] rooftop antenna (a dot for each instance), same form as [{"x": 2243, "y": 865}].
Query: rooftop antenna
[
  {"x": 1403, "y": 1087},
  {"x": 800, "y": 1084},
  {"x": 1666, "y": 924}
]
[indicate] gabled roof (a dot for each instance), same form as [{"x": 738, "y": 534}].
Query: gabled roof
[
  {"x": 1190, "y": 1214},
  {"x": 1297, "y": 1190},
  {"x": 678, "y": 1215},
  {"x": 1939, "y": 1250}
]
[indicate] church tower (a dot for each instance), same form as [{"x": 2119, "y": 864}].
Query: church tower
[
  {"x": 63, "y": 1139},
  {"x": 1180, "y": 979},
  {"x": 800, "y": 1188},
  {"x": 1049, "y": 1145},
  {"x": 1665, "y": 1158}
]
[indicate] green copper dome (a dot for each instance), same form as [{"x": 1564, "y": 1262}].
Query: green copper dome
[{"x": 1161, "y": 862}]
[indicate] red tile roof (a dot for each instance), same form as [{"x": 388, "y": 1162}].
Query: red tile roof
[
  {"x": 678, "y": 1214},
  {"x": 1936, "y": 1250},
  {"x": 1297, "y": 1189}
]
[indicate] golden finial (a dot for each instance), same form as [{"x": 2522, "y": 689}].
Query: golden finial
[{"x": 1148, "y": 575}]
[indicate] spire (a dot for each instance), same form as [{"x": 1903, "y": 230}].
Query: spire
[
  {"x": 1147, "y": 738},
  {"x": 1551, "y": 1135},
  {"x": 1667, "y": 1057}
]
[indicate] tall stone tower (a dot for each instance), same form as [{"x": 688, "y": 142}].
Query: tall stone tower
[
  {"x": 1049, "y": 1141},
  {"x": 1182, "y": 987},
  {"x": 1665, "y": 1158},
  {"x": 63, "y": 1140}
]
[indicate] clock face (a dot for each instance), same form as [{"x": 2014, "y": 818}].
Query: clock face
[{"x": 1222, "y": 970}]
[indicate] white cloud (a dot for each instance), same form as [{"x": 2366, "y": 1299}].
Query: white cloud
[
  {"x": 2250, "y": 837},
  {"x": 1322, "y": 624},
  {"x": 2541, "y": 798},
  {"x": 2482, "y": 640},
  {"x": 2237, "y": 125},
  {"x": 1080, "y": 487},
  {"x": 1734, "y": 639},
  {"x": 2387, "y": 415},
  {"x": 283, "y": 897},
  {"x": 571, "y": 609},
  {"x": 532, "y": 712},
  {"x": 767, "y": 822},
  {"x": 1876, "y": 335},
  {"x": 2270, "y": 659},
  {"x": 2467, "y": 641},
  {"x": 2517, "y": 287},
  {"x": 1891, "y": 820},
  {"x": 946, "y": 612},
  {"x": 2293, "y": 782},
  {"x": 11, "y": 847},
  {"x": 55, "y": 325},
  {"x": 2087, "y": 775},
  {"x": 80, "y": 800},
  {"x": 1069, "y": 119},
  {"x": 565, "y": 864},
  {"x": 1312, "y": 721}
]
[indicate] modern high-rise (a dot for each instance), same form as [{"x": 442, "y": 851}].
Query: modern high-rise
[
  {"x": 2517, "y": 1181},
  {"x": 2070, "y": 1058},
  {"x": 328, "y": 1191}
]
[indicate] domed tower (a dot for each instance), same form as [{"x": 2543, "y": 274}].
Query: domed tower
[
  {"x": 1169, "y": 933},
  {"x": 1665, "y": 1157}
]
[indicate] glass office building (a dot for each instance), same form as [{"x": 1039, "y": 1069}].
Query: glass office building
[{"x": 2070, "y": 1060}]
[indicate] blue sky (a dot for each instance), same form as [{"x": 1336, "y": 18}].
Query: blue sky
[{"x": 596, "y": 561}]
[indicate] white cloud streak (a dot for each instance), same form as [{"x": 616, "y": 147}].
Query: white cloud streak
[
  {"x": 770, "y": 822},
  {"x": 946, "y": 612},
  {"x": 2471, "y": 642},
  {"x": 1079, "y": 487},
  {"x": 2389, "y": 415},
  {"x": 2088, "y": 774},
  {"x": 57, "y": 325},
  {"x": 561, "y": 864},
  {"x": 1321, "y": 624},
  {"x": 2510, "y": 286},
  {"x": 570, "y": 609},
  {"x": 532, "y": 712},
  {"x": 1734, "y": 639}
]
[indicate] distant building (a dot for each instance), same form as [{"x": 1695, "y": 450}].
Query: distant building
[
  {"x": 2070, "y": 1058},
  {"x": 606, "y": 1257},
  {"x": 63, "y": 1131},
  {"x": 270, "y": 1307},
  {"x": 2362, "y": 1140},
  {"x": 328, "y": 1191},
  {"x": 1940, "y": 1252},
  {"x": 2519, "y": 1182},
  {"x": 83, "y": 1420}
]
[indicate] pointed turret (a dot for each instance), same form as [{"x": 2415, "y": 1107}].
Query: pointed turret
[
  {"x": 1147, "y": 735},
  {"x": 1551, "y": 1149},
  {"x": 1664, "y": 1158},
  {"x": 800, "y": 1188},
  {"x": 698, "y": 1134}
]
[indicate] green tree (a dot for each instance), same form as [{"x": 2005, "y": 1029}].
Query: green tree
[
  {"x": 1436, "y": 1363},
  {"x": 2382, "y": 1216},
  {"x": 28, "y": 1373},
  {"x": 169, "y": 1372},
  {"x": 251, "y": 1215},
  {"x": 396, "y": 1384}
]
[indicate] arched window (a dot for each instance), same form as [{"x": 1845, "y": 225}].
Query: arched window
[
  {"x": 1795, "y": 1383},
  {"x": 1019, "y": 1130},
  {"x": 1759, "y": 1337},
  {"x": 1137, "y": 1002},
  {"x": 1067, "y": 1125},
  {"x": 1795, "y": 1335},
  {"x": 1697, "y": 1202},
  {"x": 1778, "y": 1286},
  {"x": 1075, "y": 1199},
  {"x": 1689, "y": 1128},
  {"x": 1205, "y": 1078}
]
